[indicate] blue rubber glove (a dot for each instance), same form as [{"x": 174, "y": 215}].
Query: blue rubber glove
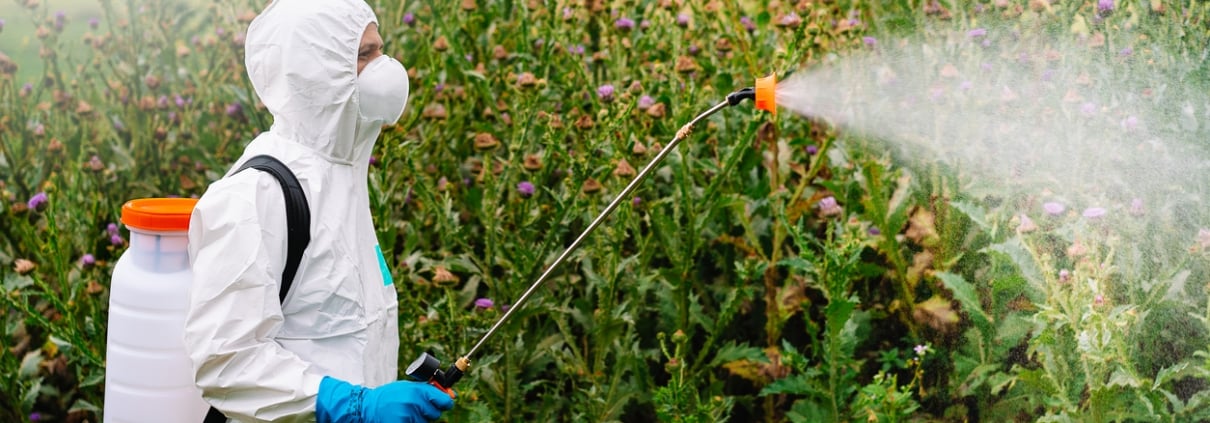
[{"x": 400, "y": 401}]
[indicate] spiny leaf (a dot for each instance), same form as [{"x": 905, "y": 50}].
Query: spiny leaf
[{"x": 965, "y": 293}]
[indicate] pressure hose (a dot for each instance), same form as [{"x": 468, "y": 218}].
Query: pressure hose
[{"x": 428, "y": 368}]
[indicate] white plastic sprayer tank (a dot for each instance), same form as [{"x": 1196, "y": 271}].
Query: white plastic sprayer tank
[{"x": 148, "y": 377}]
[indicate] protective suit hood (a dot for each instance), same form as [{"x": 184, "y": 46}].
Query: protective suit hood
[
  {"x": 255, "y": 358},
  {"x": 301, "y": 57}
]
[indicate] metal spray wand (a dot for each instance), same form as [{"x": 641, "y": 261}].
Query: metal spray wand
[{"x": 428, "y": 368}]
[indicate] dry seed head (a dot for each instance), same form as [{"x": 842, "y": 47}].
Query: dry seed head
[
  {"x": 591, "y": 186},
  {"x": 526, "y": 80},
  {"x": 639, "y": 149},
  {"x": 434, "y": 111},
  {"x": 23, "y": 266},
  {"x": 623, "y": 169},
  {"x": 656, "y": 111},
  {"x": 444, "y": 277},
  {"x": 532, "y": 162},
  {"x": 485, "y": 141}
]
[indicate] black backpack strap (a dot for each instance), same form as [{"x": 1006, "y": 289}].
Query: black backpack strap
[
  {"x": 214, "y": 416},
  {"x": 298, "y": 231},
  {"x": 298, "y": 215}
]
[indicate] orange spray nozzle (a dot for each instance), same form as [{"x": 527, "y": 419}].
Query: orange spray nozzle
[{"x": 766, "y": 95}]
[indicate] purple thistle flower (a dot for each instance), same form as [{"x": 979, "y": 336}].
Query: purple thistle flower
[
  {"x": 28, "y": 87},
  {"x": 977, "y": 33},
  {"x": 38, "y": 201},
  {"x": 645, "y": 102},
  {"x": 116, "y": 240},
  {"x": 39, "y": 130},
  {"x": 693, "y": 49},
  {"x": 88, "y": 261},
  {"x": 747, "y": 23},
  {"x": 162, "y": 102},
  {"x": 869, "y": 41},
  {"x": 1064, "y": 275},
  {"x": 645, "y": 24},
  {"x": 1130, "y": 123},
  {"x": 1126, "y": 52},
  {"x": 180, "y": 102},
  {"x": 1088, "y": 109},
  {"x": 235, "y": 109},
  {"x": 812, "y": 150},
  {"x": 624, "y": 24},
  {"x": 439, "y": 87},
  {"x": 1052, "y": 208},
  {"x": 1, "y": 24},
  {"x": 525, "y": 188},
  {"x": 484, "y": 303},
  {"x": 1136, "y": 207},
  {"x": 1027, "y": 225},
  {"x": 874, "y": 231},
  {"x": 60, "y": 19},
  {"x": 636, "y": 201},
  {"x": 470, "y": 57},
  {"x": 1094, "y": 212},
  {"x": 373, "y": 161},
  {"x": 829, "y": 207},
  {"x": 112, "y": 229},
  {"x": 1099, "y": 299},
  {"x": 93, "y": 22},
  {"x": 577, "y": 49},
  {"x": 409, "y": 19},
  {"x": 605, "y": 92},
  {"x": 219, "y": 31},
  {"x": 1048, "y": 75},
  {"x": 567, "y": 14},
  {"x": 35, "y": 416},
  {"x": 682, "y": 20},
  {"x": 921, "y": 349},
  {"x": 1105, "y": 5},
  {"x": 792, "y": 19}
]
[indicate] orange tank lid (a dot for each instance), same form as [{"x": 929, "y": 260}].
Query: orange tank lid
[
  {"x": 158, "y": 214},
  {"x": 766, "y": 93}
]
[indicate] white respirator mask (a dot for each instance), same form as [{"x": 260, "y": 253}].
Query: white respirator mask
[{"x": 382, "y": 90}]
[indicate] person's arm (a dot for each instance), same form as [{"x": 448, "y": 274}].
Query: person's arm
[{"x": 237, "y": 250}]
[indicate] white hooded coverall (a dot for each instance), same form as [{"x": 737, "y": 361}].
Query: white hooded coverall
[{"x": 254, "y": 359}]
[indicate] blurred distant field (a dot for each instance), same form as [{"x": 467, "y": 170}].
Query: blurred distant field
[{"x": 17, "y": 38}]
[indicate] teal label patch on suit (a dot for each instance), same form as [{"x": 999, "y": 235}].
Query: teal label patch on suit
[{"x": 382, "y": 265}]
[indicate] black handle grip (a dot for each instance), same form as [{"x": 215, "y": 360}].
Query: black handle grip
[{"x": 450, "y": 376}]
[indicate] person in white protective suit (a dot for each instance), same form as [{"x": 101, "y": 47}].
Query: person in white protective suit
[{"x": 330, "y": 351}]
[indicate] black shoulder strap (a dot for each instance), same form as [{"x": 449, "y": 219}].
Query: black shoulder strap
[
  {"x": 298, "y": 215},
  {"x": 298, "y": 231}
]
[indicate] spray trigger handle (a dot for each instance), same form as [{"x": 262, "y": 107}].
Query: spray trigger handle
[{"x": 428, "y": 368}]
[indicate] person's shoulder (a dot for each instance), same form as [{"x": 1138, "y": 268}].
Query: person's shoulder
[{"x": 248, "y": 187}]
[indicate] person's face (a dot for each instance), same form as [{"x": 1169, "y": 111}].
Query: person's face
[{"x": 371, "y": 47}]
